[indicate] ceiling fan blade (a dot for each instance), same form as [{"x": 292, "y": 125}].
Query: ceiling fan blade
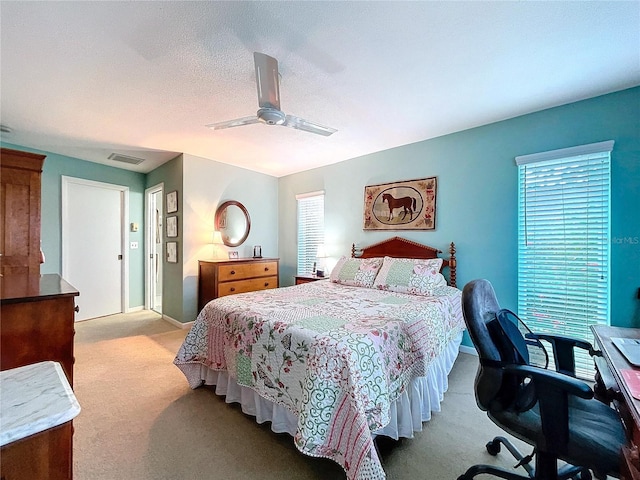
[
  {"x": 267, "y": 81},
  {"x": 302, "y": 124},
  {"x": 238, "y": 122}
]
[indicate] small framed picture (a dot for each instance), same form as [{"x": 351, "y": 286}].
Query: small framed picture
[
  {"x": 172, "y": 227},
  {"x": 233, "y": 255},
  {"x": 172, "y": 252},
  {"x": 172, "y": 202}
]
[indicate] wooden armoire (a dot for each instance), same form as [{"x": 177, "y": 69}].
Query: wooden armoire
[
  {"x": 20, "y": 178},
  {"x": 37, "y": 314}
]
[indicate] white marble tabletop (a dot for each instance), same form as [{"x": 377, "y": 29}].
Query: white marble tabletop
[{"x": 34, "y": 398}]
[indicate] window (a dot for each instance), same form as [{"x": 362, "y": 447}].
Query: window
[
  {"x": 563, "y": 242},
  {"x": 310, "y": 229}
]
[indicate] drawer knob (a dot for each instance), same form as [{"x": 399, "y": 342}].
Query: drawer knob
[
  {"x": 77, "y": 308},
  {"x": 266, "y": 269},
  {"x": 266, "y": 284},
  {"x": 233, "y": 272},
  {"x": 233, "y": 289}
]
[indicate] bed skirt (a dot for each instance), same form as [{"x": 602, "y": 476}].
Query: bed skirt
[{"x": 408, "y": 412}]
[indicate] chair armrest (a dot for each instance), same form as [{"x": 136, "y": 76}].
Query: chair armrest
[
  {"x": 574, "y": 342},
  {"x": 563, "y": 350},
  {"x": 553, "y": 390},
  {"x": 552, "y": 380}
]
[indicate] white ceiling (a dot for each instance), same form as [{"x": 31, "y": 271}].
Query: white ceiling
[{"x": 86, "y": 79}]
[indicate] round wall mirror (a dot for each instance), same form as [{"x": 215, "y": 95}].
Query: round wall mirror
[{"x": 233, "y": 223}]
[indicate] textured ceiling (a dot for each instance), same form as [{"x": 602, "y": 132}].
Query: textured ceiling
[{"x": 86, "y": 79}]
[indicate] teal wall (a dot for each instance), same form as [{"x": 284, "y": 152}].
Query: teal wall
[
  {"x": 477, "y": 201},
  {"x": 202, "y": 185},
  {"x": 208, "y": 184},
  {"x": 477, "y": 193},
  {"x": 170, "y": 174},
  {"x": 55, "y": 166}
]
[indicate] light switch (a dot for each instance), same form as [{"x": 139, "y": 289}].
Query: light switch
[
  {"x": 134, "y": 245},
  {"x": 134, "y": 228}
]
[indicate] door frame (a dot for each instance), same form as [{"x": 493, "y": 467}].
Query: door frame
[
  {"x": 149, "y": 269},
  {"x": 124, "y": 223}
]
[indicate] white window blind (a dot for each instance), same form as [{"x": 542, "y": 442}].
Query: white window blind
[
  {"x": 310, "y": 229},
  {"x": 563, "y": 243}
]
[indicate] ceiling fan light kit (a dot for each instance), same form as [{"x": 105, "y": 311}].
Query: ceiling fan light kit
[
  {"x": 271, "y": 116},
  {"x": 269, "y": 113}
]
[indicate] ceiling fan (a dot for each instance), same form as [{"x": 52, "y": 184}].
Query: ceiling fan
[{"x": 268, "y": 83}]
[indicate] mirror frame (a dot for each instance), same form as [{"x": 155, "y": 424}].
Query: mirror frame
[{"x": 221, "y": 209}]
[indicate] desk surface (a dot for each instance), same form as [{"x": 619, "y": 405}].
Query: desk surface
[{"x": 616, "y": 361}]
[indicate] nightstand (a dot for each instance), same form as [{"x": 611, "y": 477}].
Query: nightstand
[{"x": 309, "y": 277}]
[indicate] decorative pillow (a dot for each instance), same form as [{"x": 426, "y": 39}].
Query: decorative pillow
[
  {"x": 357, "y": 272},
  {"x": 410, "y": 275}
]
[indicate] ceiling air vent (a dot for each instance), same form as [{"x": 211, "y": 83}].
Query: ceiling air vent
[{"x": 116, "y": 157}]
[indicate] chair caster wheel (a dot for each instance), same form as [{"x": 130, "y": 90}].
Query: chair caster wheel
[{"x": 493, "y": 447}]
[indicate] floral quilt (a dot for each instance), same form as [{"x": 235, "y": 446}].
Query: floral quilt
[{"x": 337, "y": 356}]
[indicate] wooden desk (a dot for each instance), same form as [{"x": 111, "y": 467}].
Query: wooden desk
[{"x": 623, "y": 401}]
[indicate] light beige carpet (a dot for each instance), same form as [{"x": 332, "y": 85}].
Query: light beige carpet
[{"x": 140, "y": 420}]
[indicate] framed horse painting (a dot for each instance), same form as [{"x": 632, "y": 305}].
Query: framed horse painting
[{"x": 408, "y": 205}]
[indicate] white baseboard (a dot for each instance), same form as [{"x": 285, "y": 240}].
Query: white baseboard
[
  {"x": 135, "y": 309},
  {"x": 469, "y": 350},
  {"x": 176, "y": 323}
]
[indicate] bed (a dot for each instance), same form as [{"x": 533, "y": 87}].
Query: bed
[{"x": 335, "y": 363}]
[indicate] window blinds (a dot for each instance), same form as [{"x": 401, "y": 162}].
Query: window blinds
[
  {"x": 563, "y": 243},
  {"x": 310, "y": 229}
]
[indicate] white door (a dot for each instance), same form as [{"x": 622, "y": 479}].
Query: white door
[
  {"x": 154, "y": 225},
  {"x": 93, "y": 219}
]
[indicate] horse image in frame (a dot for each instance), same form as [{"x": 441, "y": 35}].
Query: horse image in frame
[{"x": 407, "y": 205}]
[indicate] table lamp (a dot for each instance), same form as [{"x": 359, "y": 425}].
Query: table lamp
[{"x": 320, "y": 256}]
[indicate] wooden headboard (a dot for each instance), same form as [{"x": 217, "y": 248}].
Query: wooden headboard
[{"x": 402, "y": 248}]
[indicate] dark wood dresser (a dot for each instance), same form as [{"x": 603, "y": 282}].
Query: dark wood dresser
[
  {"x": 217, "y": 278},
  {"x": 36, "y": 324},
  {"x": 37, "y": 314}
]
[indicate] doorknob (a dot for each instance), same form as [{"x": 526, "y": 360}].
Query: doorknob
[{"x": 119, "y": 257}]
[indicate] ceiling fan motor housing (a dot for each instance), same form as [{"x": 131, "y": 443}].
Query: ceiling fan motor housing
[{"x": 271, "y": 116}]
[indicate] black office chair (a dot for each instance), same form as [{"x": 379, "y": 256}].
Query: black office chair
[{"x": 550, "y": 410}]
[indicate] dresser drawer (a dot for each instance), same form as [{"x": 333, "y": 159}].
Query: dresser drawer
[
  {"x": 247, "y": 270},
  {"x": 218, "y": 278},
  {"x": 242, "y": 286}
]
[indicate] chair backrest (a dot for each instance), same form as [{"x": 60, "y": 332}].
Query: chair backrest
[{"x": 498, "y": 339}]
